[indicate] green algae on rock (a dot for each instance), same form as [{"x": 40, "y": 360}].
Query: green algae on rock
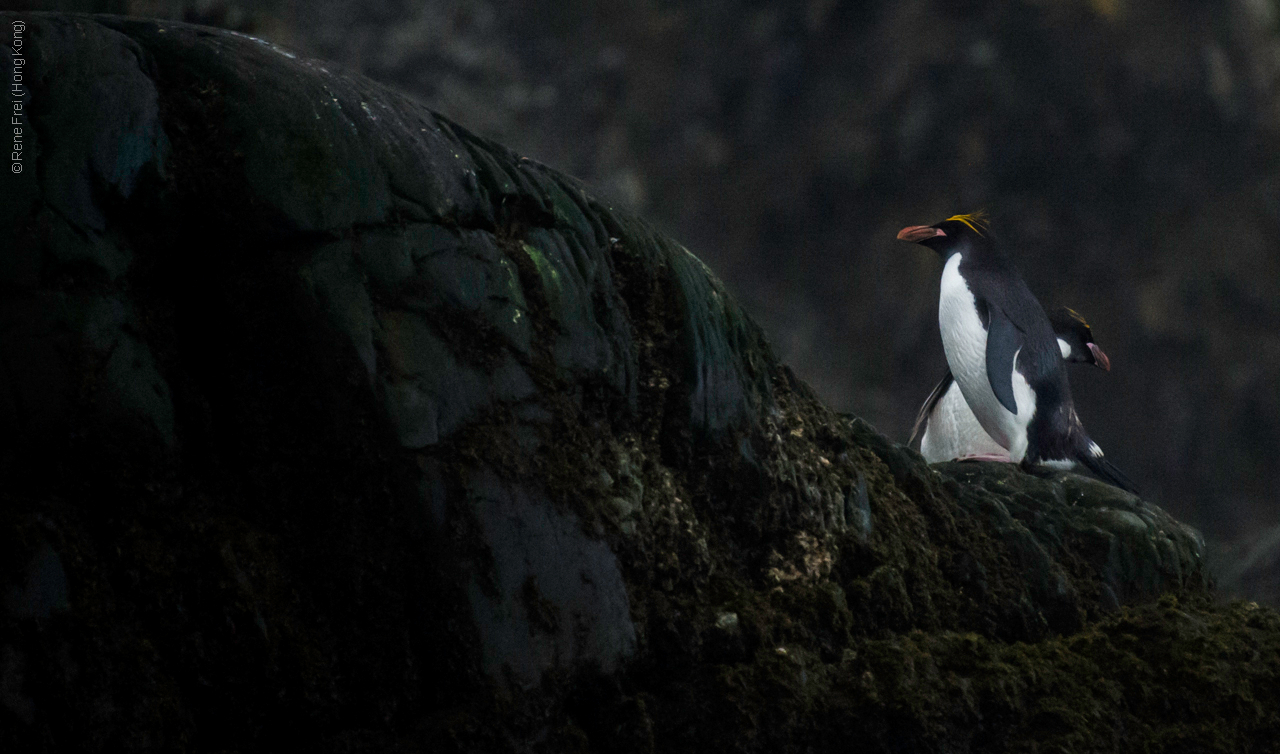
[{"x": 335, "y": 426}]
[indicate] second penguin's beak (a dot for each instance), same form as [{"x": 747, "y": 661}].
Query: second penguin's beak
[
  {"x": 1099, "y": 358},
  {"x": 918, "y": 233}
]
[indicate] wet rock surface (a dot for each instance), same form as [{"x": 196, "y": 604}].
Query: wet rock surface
[{"x": 334, "y": 426}]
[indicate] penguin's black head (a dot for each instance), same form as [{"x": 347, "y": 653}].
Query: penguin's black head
[
  {"x": 951, "y": 235},
  {"x": 1075, "y": 333}
]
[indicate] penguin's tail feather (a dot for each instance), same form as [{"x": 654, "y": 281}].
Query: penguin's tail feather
[{"x": 1090, "y": 455}]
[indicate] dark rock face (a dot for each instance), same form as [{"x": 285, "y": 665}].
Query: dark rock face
[{"x": 334, "y": 426}]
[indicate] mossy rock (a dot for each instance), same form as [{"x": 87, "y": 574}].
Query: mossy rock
[{"x": 335, "y": 426}]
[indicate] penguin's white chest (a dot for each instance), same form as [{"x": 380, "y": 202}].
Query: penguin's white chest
[
  {"x": 965, "y": 341},
  {"x": 953, "y": 431}
]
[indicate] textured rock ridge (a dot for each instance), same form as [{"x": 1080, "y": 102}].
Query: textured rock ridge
[{"x": 335, "y": 426}]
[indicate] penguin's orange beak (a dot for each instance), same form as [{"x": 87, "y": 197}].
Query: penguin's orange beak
[
  {"x": 918, "y": 233},
  {"x": 1099, "y": 358}
]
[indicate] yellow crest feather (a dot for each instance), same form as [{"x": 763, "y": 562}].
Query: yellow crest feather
[
  {"x": 1076, "y": 315},
  {"x": 977, "y": 221}
]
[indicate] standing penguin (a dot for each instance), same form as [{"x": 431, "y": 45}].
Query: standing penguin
[
  {"x": 1003, "y": 353},
  {"x": 951, "y": 431}
]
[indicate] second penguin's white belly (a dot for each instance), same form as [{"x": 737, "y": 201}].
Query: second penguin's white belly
[
  {"x": 965, "y": 341},
  {"x": 953, "y": 431}
]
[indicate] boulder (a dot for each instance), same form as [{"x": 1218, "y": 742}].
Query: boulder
[{"x": 335, "y": 426}]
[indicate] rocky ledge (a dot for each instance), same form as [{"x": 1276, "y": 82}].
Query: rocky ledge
[{"x": 335, "y": 427}]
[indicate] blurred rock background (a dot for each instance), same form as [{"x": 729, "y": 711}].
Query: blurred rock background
[{"x": 1128, "y": 150}]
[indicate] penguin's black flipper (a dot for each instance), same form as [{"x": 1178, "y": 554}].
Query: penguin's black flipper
[
  {"x": 1003, "y": 342},
  {"x": 1090, "y": 455},
  {"x": 922, "y": 419}
]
